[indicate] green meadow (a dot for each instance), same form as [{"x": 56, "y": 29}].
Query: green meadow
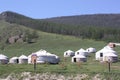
[{"x": 58, "y": 44}]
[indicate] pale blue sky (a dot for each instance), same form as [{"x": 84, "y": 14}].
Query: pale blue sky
[{"x": 56, "y": 8}]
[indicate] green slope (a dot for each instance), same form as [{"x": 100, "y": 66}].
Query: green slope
[
  {"x": 53, "y": 43},
  {"x": 56, "y": 44},
  {"x": 7, "y": 30}
]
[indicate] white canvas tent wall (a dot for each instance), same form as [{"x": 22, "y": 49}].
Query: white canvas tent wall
[
  {"x": 23, "y": 59},
  {"x": 39, "y": 58},
  {"x": 69, "y": 53},
  {"x": 29, "y": 59},
  {"x": 48, "y": 58},
  {"x": 79, "y": 58},
  {"x": 81, "y": 52},
  {"x": 99, "y": 55},
  {"x": 107, "y": 53},
  {"x": 3, "y": 59},
  {"x": 110, "y": 56},
  {"x": 43, "y": 56},
  {"x": 14, "y": 60},
  {"x": 39, "y": 54},
  {"x": 91, "y": 50}
]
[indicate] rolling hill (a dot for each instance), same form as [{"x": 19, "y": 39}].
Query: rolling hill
[
  {"x": 98, "y": 26},
  {"x": 98, "y": 20}
]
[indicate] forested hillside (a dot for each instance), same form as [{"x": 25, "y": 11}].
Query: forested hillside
[
  {"x": 98, "y": 20},
  {"x": 97, "y": 27}
]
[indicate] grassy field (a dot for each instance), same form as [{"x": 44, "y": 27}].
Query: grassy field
[{"x": 58, "y": 44}]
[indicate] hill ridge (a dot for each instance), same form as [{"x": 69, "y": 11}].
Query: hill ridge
[
  {"x": 4, "y": 15},
  {"x": 99, "y": 20},
  {"x": 104, "y": 20},
  {"x": 98, "y": 27}
]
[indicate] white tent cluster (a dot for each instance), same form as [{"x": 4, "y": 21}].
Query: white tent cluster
[
  {"x": 44, "y": 57},
  {"x": 107, "y": 54},
  {"x": 19, "y": 60},
  {"x": 80, "y": 55},
  {"x": 5, "y": 60}
]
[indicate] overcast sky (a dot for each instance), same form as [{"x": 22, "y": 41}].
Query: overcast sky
[{"x": 56, "y": 8}]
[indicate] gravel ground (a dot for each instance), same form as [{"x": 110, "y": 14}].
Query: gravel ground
[{"x": 49, "y": 76}]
